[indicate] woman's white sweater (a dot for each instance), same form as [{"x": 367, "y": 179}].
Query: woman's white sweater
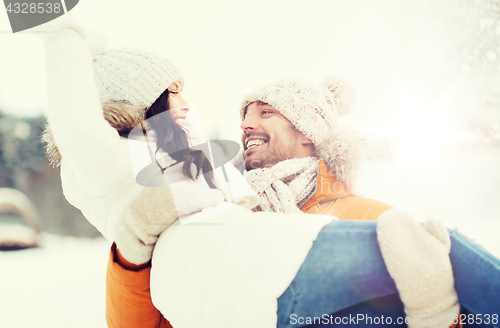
[
  {"x": 225, "y": 269},
  {"x": 96, "y": 171}
]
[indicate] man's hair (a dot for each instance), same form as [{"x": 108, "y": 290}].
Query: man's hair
[{"x": 258, "y": 102}]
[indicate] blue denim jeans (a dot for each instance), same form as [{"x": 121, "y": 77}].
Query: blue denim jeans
[{"x": 344, "y": 281}]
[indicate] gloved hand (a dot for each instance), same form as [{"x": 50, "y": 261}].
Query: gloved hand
[
  {"x": 154, "y": 210},
  {"x": 417, "y": 258}
]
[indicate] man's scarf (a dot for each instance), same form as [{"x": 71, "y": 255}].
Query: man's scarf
[{"x": 286, "y": 186}]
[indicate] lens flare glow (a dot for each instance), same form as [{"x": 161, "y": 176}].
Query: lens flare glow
[{"x": 422, "y": 130}]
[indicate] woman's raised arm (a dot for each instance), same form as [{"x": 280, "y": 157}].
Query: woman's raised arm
[{"x": 87, "y": 143}]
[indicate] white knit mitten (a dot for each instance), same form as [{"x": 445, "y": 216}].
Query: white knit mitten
[
  {"x": 417, "y": 258},
  {"x": 130, "y": 246},
  {"x": 154, "y": 210}
]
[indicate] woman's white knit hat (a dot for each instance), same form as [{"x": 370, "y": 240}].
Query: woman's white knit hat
[
  {"x": 313, "y": 109},
  {"x": 133, "y": 75}
]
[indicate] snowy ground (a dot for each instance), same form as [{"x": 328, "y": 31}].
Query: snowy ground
[{"x": 62, "y": 284}]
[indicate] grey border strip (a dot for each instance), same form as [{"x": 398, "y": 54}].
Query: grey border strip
[{"x": 27, "y": 32}]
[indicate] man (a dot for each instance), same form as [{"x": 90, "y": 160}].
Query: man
[
  {"x": 298, "y": 158},
  {"x": 291, "y": 129}
]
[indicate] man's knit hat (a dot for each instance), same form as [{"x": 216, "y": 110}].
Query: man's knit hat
[
  {"x": 133, "y": 75},
  {"x": 312, "y": 109}
]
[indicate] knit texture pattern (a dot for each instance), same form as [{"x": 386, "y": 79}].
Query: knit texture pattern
[
  {"x": 155, "y": 209},
  {"x": 133, "y": 75},
  {"x": 312, "y": 109},
  {"x": 286, "y": 186}
]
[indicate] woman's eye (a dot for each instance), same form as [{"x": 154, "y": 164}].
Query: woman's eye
[{"x": 266, "y": 112}]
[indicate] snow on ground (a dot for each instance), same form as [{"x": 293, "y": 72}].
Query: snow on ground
[{"x": 62, "y": 284}]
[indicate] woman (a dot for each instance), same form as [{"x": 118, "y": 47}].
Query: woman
[
  {"x": 98, "y": 176},
  {"x": 97, "y": 171}
]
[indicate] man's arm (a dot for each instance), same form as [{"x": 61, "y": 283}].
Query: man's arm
[{"x": 128, "y": 297}]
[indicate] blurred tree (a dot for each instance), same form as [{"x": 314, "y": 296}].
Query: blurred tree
[
  {"x": 23, "y": 166},
  {"x": 474, "y": 31},
  {"x": 22, "y": 150},
  {"x": 5, "y": 174}
]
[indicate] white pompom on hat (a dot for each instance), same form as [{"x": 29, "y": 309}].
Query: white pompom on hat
[
  {"x": 131, "y": 75},
  {"x": 312, "y": 109}
]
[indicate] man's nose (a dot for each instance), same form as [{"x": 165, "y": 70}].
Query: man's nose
[{"x": 249, "y": 124}]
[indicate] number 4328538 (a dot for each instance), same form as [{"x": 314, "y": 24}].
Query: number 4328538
[{"x": 33, "y": 8}]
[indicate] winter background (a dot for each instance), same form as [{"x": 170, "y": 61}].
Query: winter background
[{"x": 427, "y": 75}]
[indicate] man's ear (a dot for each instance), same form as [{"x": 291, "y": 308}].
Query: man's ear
[{"x": 175, "y": 87}]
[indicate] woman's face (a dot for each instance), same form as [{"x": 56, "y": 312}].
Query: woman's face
[{"x": 178, "y": 106}]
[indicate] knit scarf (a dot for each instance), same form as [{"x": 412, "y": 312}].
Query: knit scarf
[{"x": 286, "y": 186}]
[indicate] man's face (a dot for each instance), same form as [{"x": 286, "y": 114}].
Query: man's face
[{"x": 268, "y": 137}]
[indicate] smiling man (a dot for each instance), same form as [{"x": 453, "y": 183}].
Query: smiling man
[{"x": 297, "y": 154}]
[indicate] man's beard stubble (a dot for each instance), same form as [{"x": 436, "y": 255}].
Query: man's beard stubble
[{"x": 278, "y": 150}]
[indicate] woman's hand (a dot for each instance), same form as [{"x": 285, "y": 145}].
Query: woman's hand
[{"x": 154, "y": 210}]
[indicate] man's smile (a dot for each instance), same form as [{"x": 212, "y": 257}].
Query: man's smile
[{"x": 253, "y": 143}]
